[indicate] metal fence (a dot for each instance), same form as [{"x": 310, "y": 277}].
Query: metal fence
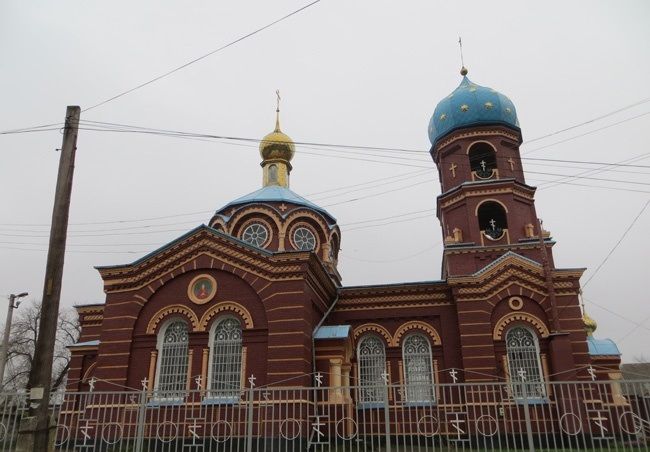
[{"x": 596, "y": 415}]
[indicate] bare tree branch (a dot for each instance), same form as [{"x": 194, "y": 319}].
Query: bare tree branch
[{"x": 22, "y": 342}]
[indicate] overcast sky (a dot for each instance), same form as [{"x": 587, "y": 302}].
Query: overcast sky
[{"x": 365, "y": 73}]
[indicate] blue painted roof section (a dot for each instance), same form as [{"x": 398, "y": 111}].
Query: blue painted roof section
[
  {"x": 602, "y": 347},
  {"x": 85, "y": 344},
  {"x": 275, "y": 193},
  {"x": 471, "y": 105},
  {"x": 332, "y": 332}
]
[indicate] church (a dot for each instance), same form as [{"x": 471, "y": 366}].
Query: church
[{"x": 254, "y": 297}]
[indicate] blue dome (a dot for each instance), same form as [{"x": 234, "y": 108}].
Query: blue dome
[{"x": 471, "y": 105}]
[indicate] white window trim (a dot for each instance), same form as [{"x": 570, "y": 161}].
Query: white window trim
[
  {"x": 209, "y": 394},
  {"x": 513, "y": 373},
  {"x": 159, "y": 348},
  {"x": 431, "y": 373}
]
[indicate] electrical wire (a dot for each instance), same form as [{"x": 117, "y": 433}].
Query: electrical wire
[
  {"x": 616, "y": 245},
  {"x": 195, "y": 60},
  {"x": 575, "y": 126}
]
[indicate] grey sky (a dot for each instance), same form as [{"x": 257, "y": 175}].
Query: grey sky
[{"x": 363, "y": 73}]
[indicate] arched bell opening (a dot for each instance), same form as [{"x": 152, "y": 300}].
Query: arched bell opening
[
  {"x": 483, "y": 161},
  {"x": 492, "y": 220}
]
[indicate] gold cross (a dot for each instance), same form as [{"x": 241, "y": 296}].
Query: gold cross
[
  {"x": 283, "y": 207},
  {"x": 512, "y": 164},
  {"x": 452, "y": 168}
]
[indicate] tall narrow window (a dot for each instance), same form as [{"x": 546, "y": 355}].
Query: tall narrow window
[
  {"x": 524, "y": 363},
  {"x": 372, "y": 364},
  {"x": 173, "y": 360},
  {"x": 225, "y": 367},
  {"x": 418, "y": 369}
]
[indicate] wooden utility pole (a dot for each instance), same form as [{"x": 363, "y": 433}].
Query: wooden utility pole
[
  {"x": 549, "y": 279},
  {"x": 40, "y": 376}
]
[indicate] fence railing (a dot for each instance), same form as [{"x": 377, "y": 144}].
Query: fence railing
[{"x": 596, "y": 415}]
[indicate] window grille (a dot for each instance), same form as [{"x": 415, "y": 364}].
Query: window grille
[
  {"x": 173, "y": 361},
  {"x": 524, "y": 364},
  {"x": 225, "y": 377},
  {"x": 372, "y": 364},
  {"x": 255, "y": 234},
  {"x": 304, "y": 239},
  {"x": 418, "y": 369}
]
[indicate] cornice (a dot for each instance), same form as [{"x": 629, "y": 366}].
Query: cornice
[{"x": 174, "y": 259}]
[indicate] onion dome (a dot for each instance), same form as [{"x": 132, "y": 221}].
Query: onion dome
[
  {"x": 471, "y": 105},
  {"x": 277, "y": 145}
]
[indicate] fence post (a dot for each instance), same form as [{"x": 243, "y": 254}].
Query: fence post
[
  {"x": 249, "y": 415},
  {"x": 529, "y": 425},
  {"x": 386, "y": 412},
  {"x": 141, "y": 419}
]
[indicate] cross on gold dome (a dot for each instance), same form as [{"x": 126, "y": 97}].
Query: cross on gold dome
[{"x": 277, "y": 111}]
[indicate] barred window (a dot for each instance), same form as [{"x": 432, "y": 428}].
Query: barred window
[
  {"x": 372, "y": 364},
  {"x": 225, "y": 359},
  {"x": 418, "y": 369},
  {"x": 173, "y": 360},
  {"x": 524, "y": 363}
]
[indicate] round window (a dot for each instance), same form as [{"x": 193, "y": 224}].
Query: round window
[
  {"x": 304, "y": 239},
  {"x": 255, "y": 234}
]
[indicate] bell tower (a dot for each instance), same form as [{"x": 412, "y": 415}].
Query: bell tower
[{"x": 486, "y": 208}]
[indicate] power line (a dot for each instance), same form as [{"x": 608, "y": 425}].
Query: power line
[
  {"x": 616, "y": 245},
  {"x": 585, "y": 134},
  {"x": 642, "y": 101},
  {"x": 241, "y": 38}
]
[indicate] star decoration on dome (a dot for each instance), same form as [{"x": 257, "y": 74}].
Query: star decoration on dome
[
  {"x": 464, "y": 107},
  {"x": 489, "y": 105},
  {"x": 472, "y": 89},
  {"x": 508, "y": 110},
  {"x": 443, "y": 116}
]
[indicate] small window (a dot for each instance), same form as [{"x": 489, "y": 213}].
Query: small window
[
  {"x": 418, "y": 369},
  {"x": 173, "y": 360},
  {"x": 225, "y": 359},
  {"x": 492, "y": 219},
  {"x": 524, "y": 363},
  {"x": 304, "y": 239},
  {"x": 372, "y": 365},
  {"x": 255, "y": 234}
]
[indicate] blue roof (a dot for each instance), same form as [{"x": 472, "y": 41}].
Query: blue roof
[
  {"x": 332, "y": 332},
  {"x": 471, "y": 105},
  {"x": 276, "y": 193},
  {"x": 602, "y": 347},
  {"x": 85, "y": 344}
]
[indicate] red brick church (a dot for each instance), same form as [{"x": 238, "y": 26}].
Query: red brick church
[{"x": 256, "y": 291}]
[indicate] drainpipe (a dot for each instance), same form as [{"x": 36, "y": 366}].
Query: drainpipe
[{"x": 313, "y": 334}]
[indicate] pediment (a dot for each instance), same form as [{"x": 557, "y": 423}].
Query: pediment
[{"x": 204, "y": 247}]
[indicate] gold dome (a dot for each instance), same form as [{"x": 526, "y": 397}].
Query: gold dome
[
  {"x": 277, "y": 145},
  {"x": 589, "y": 323}
]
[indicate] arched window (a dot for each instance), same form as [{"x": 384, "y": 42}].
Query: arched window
[
  {"x": 492, "y": 219},
  {"x": 418, "y": 369},
  {"x": 225, "y": 358},
  {"x": 171, "y": 377},
  {"x": 482, "y": 160},
  {"x": 372, "y": 364},
  {"x": 524, "y": 363}
]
